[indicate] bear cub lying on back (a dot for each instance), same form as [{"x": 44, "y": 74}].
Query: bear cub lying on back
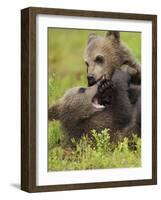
[{"x": 80, "y": 109}]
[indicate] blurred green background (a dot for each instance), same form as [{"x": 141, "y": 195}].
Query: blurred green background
[
  {"x": 65, "y": 57},
  {"x": 66, "y": 69}
]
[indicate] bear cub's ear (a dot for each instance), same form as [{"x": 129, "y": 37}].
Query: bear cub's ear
[
  {"x": 54, "y": 112},
  {"x": 91, "y": 37},
  {"x": 115, "y": 35}
]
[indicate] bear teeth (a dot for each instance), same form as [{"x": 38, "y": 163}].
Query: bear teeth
[{"x": 96, "y": 104}]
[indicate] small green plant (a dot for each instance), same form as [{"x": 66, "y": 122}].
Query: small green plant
[
  {"x": 55, "y": 135},
  {"x": 95, "y": 152}
]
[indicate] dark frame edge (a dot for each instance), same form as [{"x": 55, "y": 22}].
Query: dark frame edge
[
  {"x": 28, "y": 100},
  {"x": 113, "y": 184},
  {"x": 90, "y": 13},
  {"x": 24, "y": 99},
  {"x": 154, "y": 99}
]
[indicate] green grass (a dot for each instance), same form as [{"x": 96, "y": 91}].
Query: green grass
[
  {"x": 95, "y": 153},
  {"x": 66, "y": 69}
]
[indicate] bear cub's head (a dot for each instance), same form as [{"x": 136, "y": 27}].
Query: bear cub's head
[
  {"x": 76, "y": 104},
  {"x": 103, "y": 55}
]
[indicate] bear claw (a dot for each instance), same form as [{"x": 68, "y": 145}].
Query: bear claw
[{"x": 104, "y": 85}]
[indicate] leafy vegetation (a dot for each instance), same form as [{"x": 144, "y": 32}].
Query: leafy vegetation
[
  {"x": 66, "y": 69},
  {"x": 96, "y": 152}
]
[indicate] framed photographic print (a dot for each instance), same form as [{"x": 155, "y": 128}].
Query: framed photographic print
[{"x": 88, "y": 99}]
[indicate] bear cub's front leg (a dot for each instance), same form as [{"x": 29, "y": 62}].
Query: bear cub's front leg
[{"x": 105, "y": 90}]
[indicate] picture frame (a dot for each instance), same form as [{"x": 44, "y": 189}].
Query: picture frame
[{"x": 29, "y": 96}]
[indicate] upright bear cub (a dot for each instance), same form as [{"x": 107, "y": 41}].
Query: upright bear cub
[
  {"x": 103, "y": 55},
  {"x": 80, "y": 109}
]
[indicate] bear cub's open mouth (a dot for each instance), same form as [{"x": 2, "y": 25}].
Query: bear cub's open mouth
[
  {"x": 96, "y": 102},
  {"x": 102, "y": 99}
]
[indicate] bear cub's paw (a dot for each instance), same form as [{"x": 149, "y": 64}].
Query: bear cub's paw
[
  {"x": 104, "y": 84},
  {"x": 105, "y": 87}
]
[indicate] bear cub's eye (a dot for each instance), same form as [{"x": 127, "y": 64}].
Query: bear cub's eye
[
  {"x": 99, "y": 60},
  {"x": 82, "y": 90}
]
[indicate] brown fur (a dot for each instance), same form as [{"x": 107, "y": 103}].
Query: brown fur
[
  {"x": 103, "y": 55},
  {"x": 78, "y": 115}
]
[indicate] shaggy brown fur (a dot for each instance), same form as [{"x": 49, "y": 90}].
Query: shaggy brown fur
[
  {"x": 105, "y": 54},
  {"x": 79, "y": 110}
]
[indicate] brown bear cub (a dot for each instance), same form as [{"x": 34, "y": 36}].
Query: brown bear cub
[
  {"x": 80, "y": 109},
  {"x": 103, "y": 55}
]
